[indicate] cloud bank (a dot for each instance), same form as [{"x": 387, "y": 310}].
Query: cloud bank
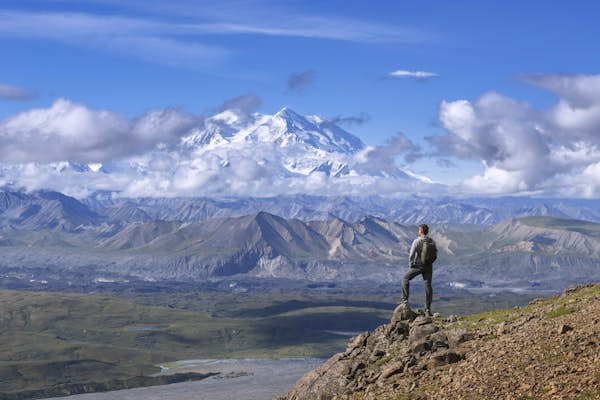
[
  {"x": 553, "y": 151},
  {"x": 169, "y": 152}
]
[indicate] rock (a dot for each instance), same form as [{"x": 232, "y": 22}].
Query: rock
[
  {"x": 392, "y": 368},
  {"x": 376, "y": 355},
  {"x": 396, "y": 330},
  {"x": 422, "y": 320},
  {"x": 452, "y": 318},
  {"x": 564, "y": 328},
  {"x": 457, "y": 336},
  {"x": 357, "y": 342},
  {"x": 403, "y": 313},
  {"x": 502, "y": 329},
  {"x": 379, "y": 352},
  {"x": 444, "y": 357},
  {"x": 535, "y": 301},
  {"x": 419, "y": 346},
  {"x": 575, "y": 288},
  {"x": 439, "y": 340},
  {"x": 325, "y": 396},
  {"x": 419, "y": 332}
]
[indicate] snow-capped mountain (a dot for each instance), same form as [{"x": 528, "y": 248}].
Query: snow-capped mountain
[
  {"x": 286, "y": 128},
  {"x": 232, "y": 153},
  {"x": 298, "y": 144}
]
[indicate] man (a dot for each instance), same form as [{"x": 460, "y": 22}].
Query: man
[{"x": 423, "y": 253}]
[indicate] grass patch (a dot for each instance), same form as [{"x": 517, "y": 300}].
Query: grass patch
[
  {"x": 558, "y": 311},
  {"x": 488, "y": 318},
  {"x": 588, "y": 395},
  {"x": 381, "y": 361}
]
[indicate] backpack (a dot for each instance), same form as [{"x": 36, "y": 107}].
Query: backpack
[{"x": 428, "y": 252}]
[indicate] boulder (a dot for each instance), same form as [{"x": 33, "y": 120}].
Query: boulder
[
  {"x": 420, "y": 332},
  {"x": 403, "y": 313},
  {"x": 502, "y": 329},
  {"x": 420, "y": 346},
  {"x": 564, "y": 328},
  {"x": 392, "y": 368},
  {"x": 457, "y": 336},
  {"x": 439, "y": 340},
  {"x": 444, "y": 357},
  {"x": 357, "y": 342}
]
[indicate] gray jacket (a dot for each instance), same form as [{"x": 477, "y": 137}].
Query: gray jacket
[{"x": 414, "y": 256}]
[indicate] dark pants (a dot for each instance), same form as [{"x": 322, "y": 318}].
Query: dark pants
[{"x": 427, "y": 273}]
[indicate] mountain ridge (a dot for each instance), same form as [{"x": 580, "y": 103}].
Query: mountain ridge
[
  {"x": 548, "y": 349},
  {"x": 35, "y": 232}
]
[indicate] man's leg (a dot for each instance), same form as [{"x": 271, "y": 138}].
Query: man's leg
[
  {"x": 427, "y": 276},
  {"x": 412, "y": 272}
]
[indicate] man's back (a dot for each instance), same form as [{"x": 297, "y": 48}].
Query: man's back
[{"x": 416, "y": 249}]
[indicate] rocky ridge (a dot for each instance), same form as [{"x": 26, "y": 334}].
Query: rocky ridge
[{"x": 548, "y": 349}]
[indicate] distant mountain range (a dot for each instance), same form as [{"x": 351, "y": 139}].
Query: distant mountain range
[
  {"x": 47, "y": 235},
  {"x": 45, "y": 209}
]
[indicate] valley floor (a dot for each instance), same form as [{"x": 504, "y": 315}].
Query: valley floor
[{"x": 248, "y": 379}]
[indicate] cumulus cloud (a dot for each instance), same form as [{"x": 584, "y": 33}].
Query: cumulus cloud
[
  {"x": 299, "y": 81},
  {"x": 378, "y": 159},
  {"x": 523, "y": 149},
  {"x": 15, "y": 93},
  {"x": 420, "y": 75},
  {"x": 70, "y": 131}
]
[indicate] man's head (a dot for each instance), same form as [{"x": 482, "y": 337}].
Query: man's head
[{"x": 423, "y": 229}]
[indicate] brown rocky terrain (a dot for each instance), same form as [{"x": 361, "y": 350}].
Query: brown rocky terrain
[{"x": 549, "y": 349}]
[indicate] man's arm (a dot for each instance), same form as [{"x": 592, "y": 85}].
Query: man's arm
[{"x": 412, "y": 255}]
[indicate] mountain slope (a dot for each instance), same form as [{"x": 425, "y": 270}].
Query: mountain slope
[
  {"x": 45, "y": 210},
  {"x": 546, "y": 350},
  {"x": 516, "y": 255}
]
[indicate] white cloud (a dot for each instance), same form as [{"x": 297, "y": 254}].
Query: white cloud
[
  {"x": 381, "y": 159},
  {"x": 422, "y": 75},
  {"x": 527, "y": 150},
  {"x": 69, "y": 131}
]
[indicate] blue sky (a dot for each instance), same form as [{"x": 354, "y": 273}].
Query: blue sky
[{"x": 130, "y": 56}]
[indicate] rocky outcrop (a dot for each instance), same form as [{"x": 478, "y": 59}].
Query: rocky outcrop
[
  {"x": 548, "y": 349},
  {"x": 410, "y": 343}
]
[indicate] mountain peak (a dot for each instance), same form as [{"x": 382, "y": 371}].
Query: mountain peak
[{"x": 286, "y": 112}]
